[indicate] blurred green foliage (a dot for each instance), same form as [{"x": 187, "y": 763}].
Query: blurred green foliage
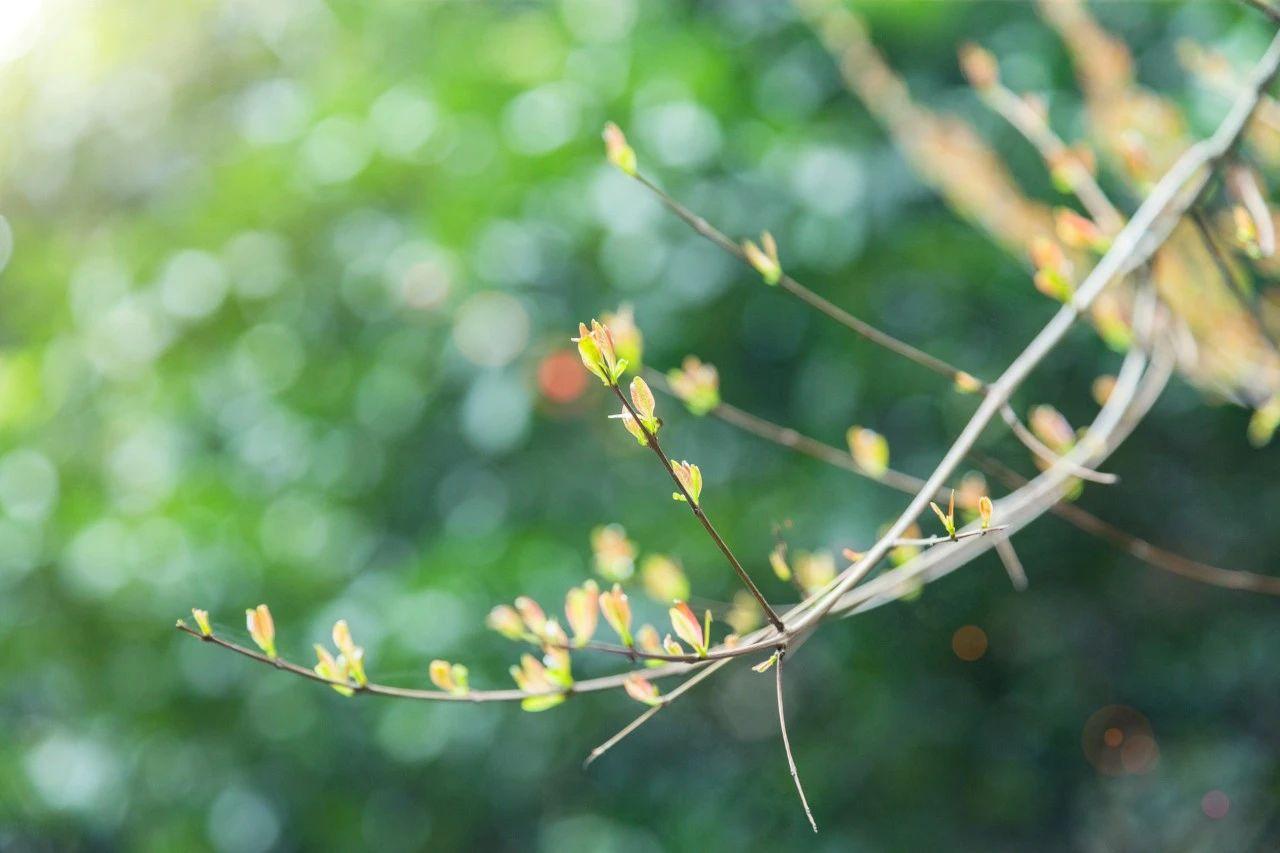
[{"x": 280, "y": 278}]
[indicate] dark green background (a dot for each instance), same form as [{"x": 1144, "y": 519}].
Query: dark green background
[{"x": 270, "y": 420}]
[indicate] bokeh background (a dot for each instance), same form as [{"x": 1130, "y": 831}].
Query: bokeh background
[{"x": 287, "y": 291}]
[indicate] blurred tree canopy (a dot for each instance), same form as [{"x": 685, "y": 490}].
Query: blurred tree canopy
[{"x": 286, "y": 296}]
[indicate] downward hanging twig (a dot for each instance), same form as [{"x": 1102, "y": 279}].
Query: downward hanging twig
[{"x": 786, "y": 742}]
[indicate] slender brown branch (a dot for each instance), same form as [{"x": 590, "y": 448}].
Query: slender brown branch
[
  {"x": 591, "y": 685},
  {"x": 786, "y": 742},
  {"x": 663, "y": 702},
  {"x": 1135, "y": 546},
  {"x": 960, "y": 379},
  {"x": 698, "y": 512}
]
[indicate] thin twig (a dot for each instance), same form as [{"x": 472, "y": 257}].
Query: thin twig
[
  {"x": 786, "y": 742},
  {"x": 591, "y": 685},
  {"x": 664, "y": 701},
  {"x": 652, "y": 441},
  {"x": 1150, "y": 554},
  {"x": 962, "y": 380}
]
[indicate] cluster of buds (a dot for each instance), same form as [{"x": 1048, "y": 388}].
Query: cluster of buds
[
  {"x": 628, "y": 342},
  {"x": 764, "y": 258},
  {"x": 687, "y": 627},
  {"x": 648, "y": 423},
  {"x": 663, "y": 578},
  {"x": 449, "y": 677},
  {"x": 870, "y": 450},
  {"x": 697, "y": 384},
  {"x": 347, "y": 666},
  {"x": 547, "y": 685},
  {"x": 1078, "y": 232},
  {"x": 690, "y": 477},
  {"x": 595, "y": 347},
  {"x": 262, "y": 628},
  {"x": 948, "y": 518},
  {"x": 613, "y": 553},
  {"x": 616, "y": 149},
  {"x": 979, "y": 67},
  {"x": 1053, "y": 270}
]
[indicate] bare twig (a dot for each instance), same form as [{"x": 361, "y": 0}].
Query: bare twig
[
  {"x": 663, "y": 702},
  {"x": 786, "y": 742}
]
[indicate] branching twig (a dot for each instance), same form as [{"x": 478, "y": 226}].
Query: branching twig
[
  {"x": 1152, "y": 555},
  {"x": 961, "y": 379},
  {"x": 1150, "y": 226},
  {"x": 663, "y": 702},
  {"x": 698, "y": 512}
]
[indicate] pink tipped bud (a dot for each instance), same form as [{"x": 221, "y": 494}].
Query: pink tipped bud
[
  {"x": 641, "y": 689},
  {"x": 687, "y": 627},
  {"x": 582, "y": 610},
  {"x": 616, "y": 149},
  {"x": 979, "y": 66},
  {"x": 697, "y": 384},
  {"x": 617, "y": 612},
  {"x": 534, "y": 618},
  {"x": 1052, "y": 428},
  {"x": 1078, "y": 232},
  {"x": 614, "y": 553},
  {"x": 690, "y": 476},
  {"x": 663, "y": 578},
  {"x": 506, "y": 621}
]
